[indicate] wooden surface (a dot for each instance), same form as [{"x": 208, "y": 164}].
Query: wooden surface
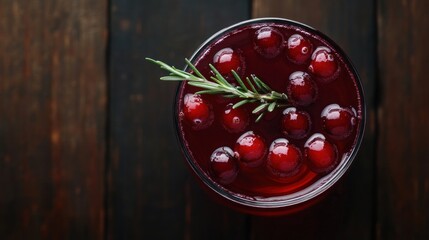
[
  {"x": 402, "y": 159},
  {"x": 87, "y": 144},
  {"x": 52, "y": 119}
]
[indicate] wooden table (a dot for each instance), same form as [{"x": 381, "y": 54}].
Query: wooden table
[{"x": 87, "y": 145}]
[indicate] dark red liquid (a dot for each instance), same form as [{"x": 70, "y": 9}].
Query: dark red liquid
[{"x": 257, "y": 182}]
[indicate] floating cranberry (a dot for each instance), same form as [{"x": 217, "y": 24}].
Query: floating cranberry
[
  {"x": 295, "y": 124},
  {"x": 323, "y": 64},
  {"x": 235, "y": 120},
  {"x": 301, "y": 89},
  {"x": 338, "y": 122},
  {"x": 197, "y": 111},
  {"x": 298, "y": 49},
  {"x": 223, "y": 165},
  {"x": 268, "y": 42},
  {"x": 320, "y": 154},
  {"x": 250, "y": 149},
  {"x": 226, "y": 60},
  {"x": 283, "y": 158}
]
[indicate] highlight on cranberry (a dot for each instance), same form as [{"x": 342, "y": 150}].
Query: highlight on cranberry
[
  {"x": 197, "y": 111},
  {"x": 299, "y": 49},
  {"x": 268, "y": 42},
  {"x": 223, "y": 165},
  {"x": 251, "y": 149},
  {"x": 301, "y": 89},
  {"x": 321, "y": 155},
  {"x": 267, "y": 109},
  {"x": 338, "y": 122},
  {"x": 295, "y": 124},
  {"x": 284, "y": 159}
]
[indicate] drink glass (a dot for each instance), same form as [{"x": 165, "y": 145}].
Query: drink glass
[{"x": 275, "y": 204}]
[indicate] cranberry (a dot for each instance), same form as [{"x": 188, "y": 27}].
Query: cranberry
[
  {"x": 268, "y": 42},
  {"x": 298, "y": 49},
  {"x": 301, "y": 89},
  {"x": 197, "y": 111},
  {"x": 223, "y": 165},
  {"x": 320, "y": 154},
  {"x": 295, "y": 124},
  {"x": 283, "y": 158},
  {"x": 250, "y": 149},
  {"x": 226, "y": 60},
  {"x": 323, "y": 64},
  {"x": 235, "y": 120},
  {"x": 338, "y": 122}
]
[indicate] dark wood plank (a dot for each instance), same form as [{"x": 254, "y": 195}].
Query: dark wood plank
[
  {"x": 152, "y": 194},
  {"x": 52, "y": 119},
  {"x": 348, "y": 212},
  {"x": 403, "y": 179}
]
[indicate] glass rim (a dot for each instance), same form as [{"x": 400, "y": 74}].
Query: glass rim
[{"x": 303, "y": 195}]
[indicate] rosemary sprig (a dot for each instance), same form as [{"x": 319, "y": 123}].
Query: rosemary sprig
[{"x": 256, "y": 91}]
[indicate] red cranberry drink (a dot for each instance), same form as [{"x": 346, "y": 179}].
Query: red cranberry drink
[{"x": 270, "y": 116}]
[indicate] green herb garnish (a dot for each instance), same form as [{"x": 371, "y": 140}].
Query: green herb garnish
[{"x": 256, "y": 91}]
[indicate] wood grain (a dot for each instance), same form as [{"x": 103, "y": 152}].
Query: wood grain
[
  {"x": 152, "y": 194},
  {"x": 348, "y": 212},
  {"x": 403, "y": 162},
  {"x": 52, "y": 119}
]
